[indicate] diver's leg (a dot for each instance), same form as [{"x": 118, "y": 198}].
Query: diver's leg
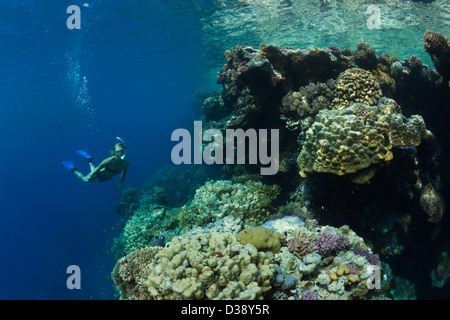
[{"x": 81, "y": 176}]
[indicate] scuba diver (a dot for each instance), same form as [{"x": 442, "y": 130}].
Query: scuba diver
[{"x": 108, "y": 168}]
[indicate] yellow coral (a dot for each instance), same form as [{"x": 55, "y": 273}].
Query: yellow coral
[
  {"x": 261, "y": 238},
  {"x": 432, "y": 203},
  {"x": 356, "y": 85},
  {"x": 347, "y": 140},
  {"x": 192, "y": 268}
]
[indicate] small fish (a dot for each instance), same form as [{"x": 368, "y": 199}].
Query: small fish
[
  {"x": 197, "y": 218},
  {"x": 188, "y": 180},
  {"x": 157, "y": 208}
]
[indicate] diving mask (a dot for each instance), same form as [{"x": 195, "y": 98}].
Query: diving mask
[{"x": 121, "y": 153}]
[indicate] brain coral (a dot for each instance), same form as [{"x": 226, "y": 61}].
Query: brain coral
[
  {"x": 346, "y": 140},
  {"x": 356, "y": 85},
  {"x": 208, "y": 265}
]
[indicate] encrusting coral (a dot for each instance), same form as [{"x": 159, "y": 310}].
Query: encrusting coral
[{"x": 261, "y": 238}]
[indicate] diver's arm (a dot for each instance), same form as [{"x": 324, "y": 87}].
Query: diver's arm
[{"x": 123, "y": 175}]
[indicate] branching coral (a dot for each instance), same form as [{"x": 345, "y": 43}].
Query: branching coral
[
  {"x": 329, "y": 243},
  {"x": 325, "y": 243},
  {"x": 127, "y": 273},
  {"x": 306, "y": 102}
]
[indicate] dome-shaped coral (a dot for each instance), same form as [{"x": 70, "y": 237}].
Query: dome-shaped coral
[
  {"x": 432, "y": 203},
  {"x": 346, "y": 140}
]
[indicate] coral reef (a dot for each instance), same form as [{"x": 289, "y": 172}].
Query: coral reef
[
  {"x": 150, "y": 222},
  {"x": 212, "y": 263},
  {"x": 335, "y": 268},
  {"x": 252, "y": 202},
  {"x": 353, "y": 124},
  {"x": 129, "y": 202},
  {"x": 179, "y": 185},
  {"x": 127, "y": 272},
  {"x": 141, "y": 228}
]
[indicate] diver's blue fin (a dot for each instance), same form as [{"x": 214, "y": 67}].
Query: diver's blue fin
[
  {"x": 69, "y": 165},
  {"x": 84, "y": 154}
]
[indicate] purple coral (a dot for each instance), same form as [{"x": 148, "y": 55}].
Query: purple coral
[
  {"x": 334, "y": 50},
  {"x": 308, "y": 295},
  {"x": 352, "y": 268},
  {"x": 371, "y": 257},
  {"x": 415, "y": 62},
  {"x": 302, "y": 246},
  {"x": 329, "y": 243}
]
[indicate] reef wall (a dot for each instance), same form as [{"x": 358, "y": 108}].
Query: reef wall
[{"x": 362, "y": 182}]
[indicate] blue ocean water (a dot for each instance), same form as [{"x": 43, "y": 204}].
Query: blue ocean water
[
  {"x": 132, "y": 71},
  {"x": 127, "y": 72}
]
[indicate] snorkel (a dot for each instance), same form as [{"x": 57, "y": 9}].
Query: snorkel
[{"x": 120, "y": 147}]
